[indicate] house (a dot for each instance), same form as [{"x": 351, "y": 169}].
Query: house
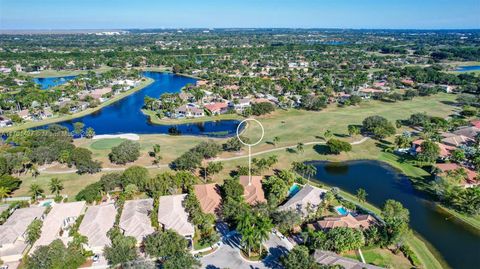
[
  {"x": 188, "y": 111},
  {"x": 446, "y": 167},
  {"x": 4, "y": 121},
  {"x": 350, "y": 221},
  {"x": 172, "y": 215},
  {"x": 24, "y": 114},
  {"x": 407, "y": 82},
  {"x": 99, "y": 93},
  {"x": 208, "y": 196},
  {"x": 241, "y": 104},
  {"x": 135, "y": 219},
  {"x": 444, "y": 149},
  {"x": 475, "y": 123},
  {"x": 13, "y": 232},
  {"x": 201, "y": 82},
  {"x": 97, "y": 221},
  {"x": 329, "y": 258},
  {"x": 305, "y": 200},
  {"x": 58, "y": 222},
  {"x": 217, "y": 108},
  {"x": 470, "y": 132},
  {"x": 252, "y": 189},
  {"x": 454, "y": 140},
  {"x": 369, "y": 92}
]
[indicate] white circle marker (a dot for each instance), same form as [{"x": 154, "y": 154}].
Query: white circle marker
[{"x": 250, "y": 145}]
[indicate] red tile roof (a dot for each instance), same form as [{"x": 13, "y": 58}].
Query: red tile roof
[
  {"x": 215, "y": 107},
  {"x": 253, "y": 193}
]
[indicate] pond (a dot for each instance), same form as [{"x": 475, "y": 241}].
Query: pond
[
  {"x": 468, "y": 68},
  {"x": 457, "y": 244},
  {"x": 49, "y": 82},
  {"x": 125, "y": 116}
]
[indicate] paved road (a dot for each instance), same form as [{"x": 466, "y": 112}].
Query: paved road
[
  {"x": 228, "y": 255},
  {"x": 110, "y": 169}
]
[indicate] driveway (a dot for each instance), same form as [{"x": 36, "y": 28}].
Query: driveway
[{"x": 228, "y": 255}]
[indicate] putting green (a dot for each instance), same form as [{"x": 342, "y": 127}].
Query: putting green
[{"x": 106, "y": 143}]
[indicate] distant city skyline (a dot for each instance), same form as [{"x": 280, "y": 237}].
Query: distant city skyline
[{"x": 124, "y": 14}]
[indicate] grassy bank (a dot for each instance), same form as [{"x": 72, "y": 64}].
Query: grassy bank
[
  {"x": 85, "y": 112},
  {"x": 156, "y": 120},
  {"x": 415, "y": 242}
]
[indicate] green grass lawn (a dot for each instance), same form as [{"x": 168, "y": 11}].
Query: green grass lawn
[
  {"x": 381, "y": 257},
  {"x": 107, "y": 143}
]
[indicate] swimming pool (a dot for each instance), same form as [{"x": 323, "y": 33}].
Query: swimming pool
[
  {"x": 293, "y": 190},
  {"x": 341, "y": 210}
]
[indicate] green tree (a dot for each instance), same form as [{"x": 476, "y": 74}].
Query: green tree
[
  {"x": 90, "y": 132},
  {"x": 353, "y": 130},
  {"x": 165, "y": 244},
  {"x": 299, "y": 258},
  {"x": 430, "y": 151},
  {"x": 56, "y": 186},
  {"x": 122, "y": 248},
  {"x": 34, "y": 230},
  {"x": 35, "y": 191},
  {"x": 396, "y": 219},
  {"x": 128, "y": 151},
  {"x": 275, "y": 140},
  {"x": 361, "y": 195},
  {"x": 300, "y": 147},
  {"x": 337, "y": 146},
  {"x": 214, "y": 168},
  {"x": 378, "y": 126},
  {"x": 4, "y": 192},
  {"x": 78, "y": 128}
]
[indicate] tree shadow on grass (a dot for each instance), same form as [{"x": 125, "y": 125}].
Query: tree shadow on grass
[
  {"x": 290, "y": 150},
  {"x": 322, "y": 149},
  {"x": 341, "y": 135},
  {"x": 450, "y": 103}
]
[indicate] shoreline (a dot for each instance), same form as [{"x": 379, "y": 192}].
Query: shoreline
[
  {"x": 155, "y": 120},
  {"x": 88, "y": 111},
  {"x": 425, "y": 252}
]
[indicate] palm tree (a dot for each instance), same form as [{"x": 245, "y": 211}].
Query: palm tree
[
  {"x": 361, "y": 195},
  {"x": 56, "y": 186},
  {"x": 262, "y": 230},
  {"x": 36, "y": 191},
  {"x": 276, "y": 139},
  {"x": 309, "y": 171},
  {"x": 300, "y": 147},
  {"x": 328, "y": 134},
  {"x": 246, "y": 230},
  {"x": 4, "y": 192}
]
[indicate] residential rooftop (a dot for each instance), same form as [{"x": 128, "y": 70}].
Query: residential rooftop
[
  {"x": 135, "y": 220},
  {"x": 172, "y": 215},
  {"x": 97, "y": 221},
  {"x": 208, "y": 196}
]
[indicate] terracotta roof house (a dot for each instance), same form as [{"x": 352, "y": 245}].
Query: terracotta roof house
[
  {"x": 172, "y": 215},
  {"x": 444, "y": 149},
  {"x": 330, "y": 258},
  {"x": 135, "y": 220},
  {"x": 253, "y": 191},
  {"x": 469, "y": 132},
  {"x": 475, "y": 123},
  {"x": 13, "y": 231},
  {"x": 217, "y": 108},
  {"x": 209, "y": 197},
  {"x": 57, "y": 223},
  {"x": 308, "y": 196},
  {"x": 357, "y": 222},
  {"x": 445, "y": 167},
  {"x": 97, "y": 221}
]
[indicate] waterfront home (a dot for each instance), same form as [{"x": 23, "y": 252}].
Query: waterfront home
[
  {"x": 208, "y": 195},
  {"x": 5, "y": 121},
  {"x": 305, "y": 201},
  {"x": 217, "y": 108},
  {"x": 100, "y": 93},
  {"x": 135, "y": 219},
  {"x": 240, "y": 104},
  {"x": 349, "y": 221},
  {"x": 252, "y": 189},
  {"x": 24, "y": 114},
  {"x": 442, "y": 169},
  {"x": 58, "y": 222},
  {"x": 329, "y": 258},
  {"x": 367, "y": 93},
  {"x": 172, "y": 215},
  {"x": 201, "y": 82},
  {"x": 188, "y": 111},
  {"x": 98, "y": 220},
  {"x": 13, "y": 233},
  {"x": 445, "y": 150}
]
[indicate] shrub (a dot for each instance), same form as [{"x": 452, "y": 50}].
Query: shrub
[{"x": 128, "y": 151}]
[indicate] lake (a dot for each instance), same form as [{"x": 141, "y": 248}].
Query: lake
[
  {"x": 46, "y": 83},
  {"x": 458, "y": 244},
  {"x": 468, "y": 68},
  {"x": 125, "y": 116}
]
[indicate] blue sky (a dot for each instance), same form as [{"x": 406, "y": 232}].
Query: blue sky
[{"x": 107, "y": 14}]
